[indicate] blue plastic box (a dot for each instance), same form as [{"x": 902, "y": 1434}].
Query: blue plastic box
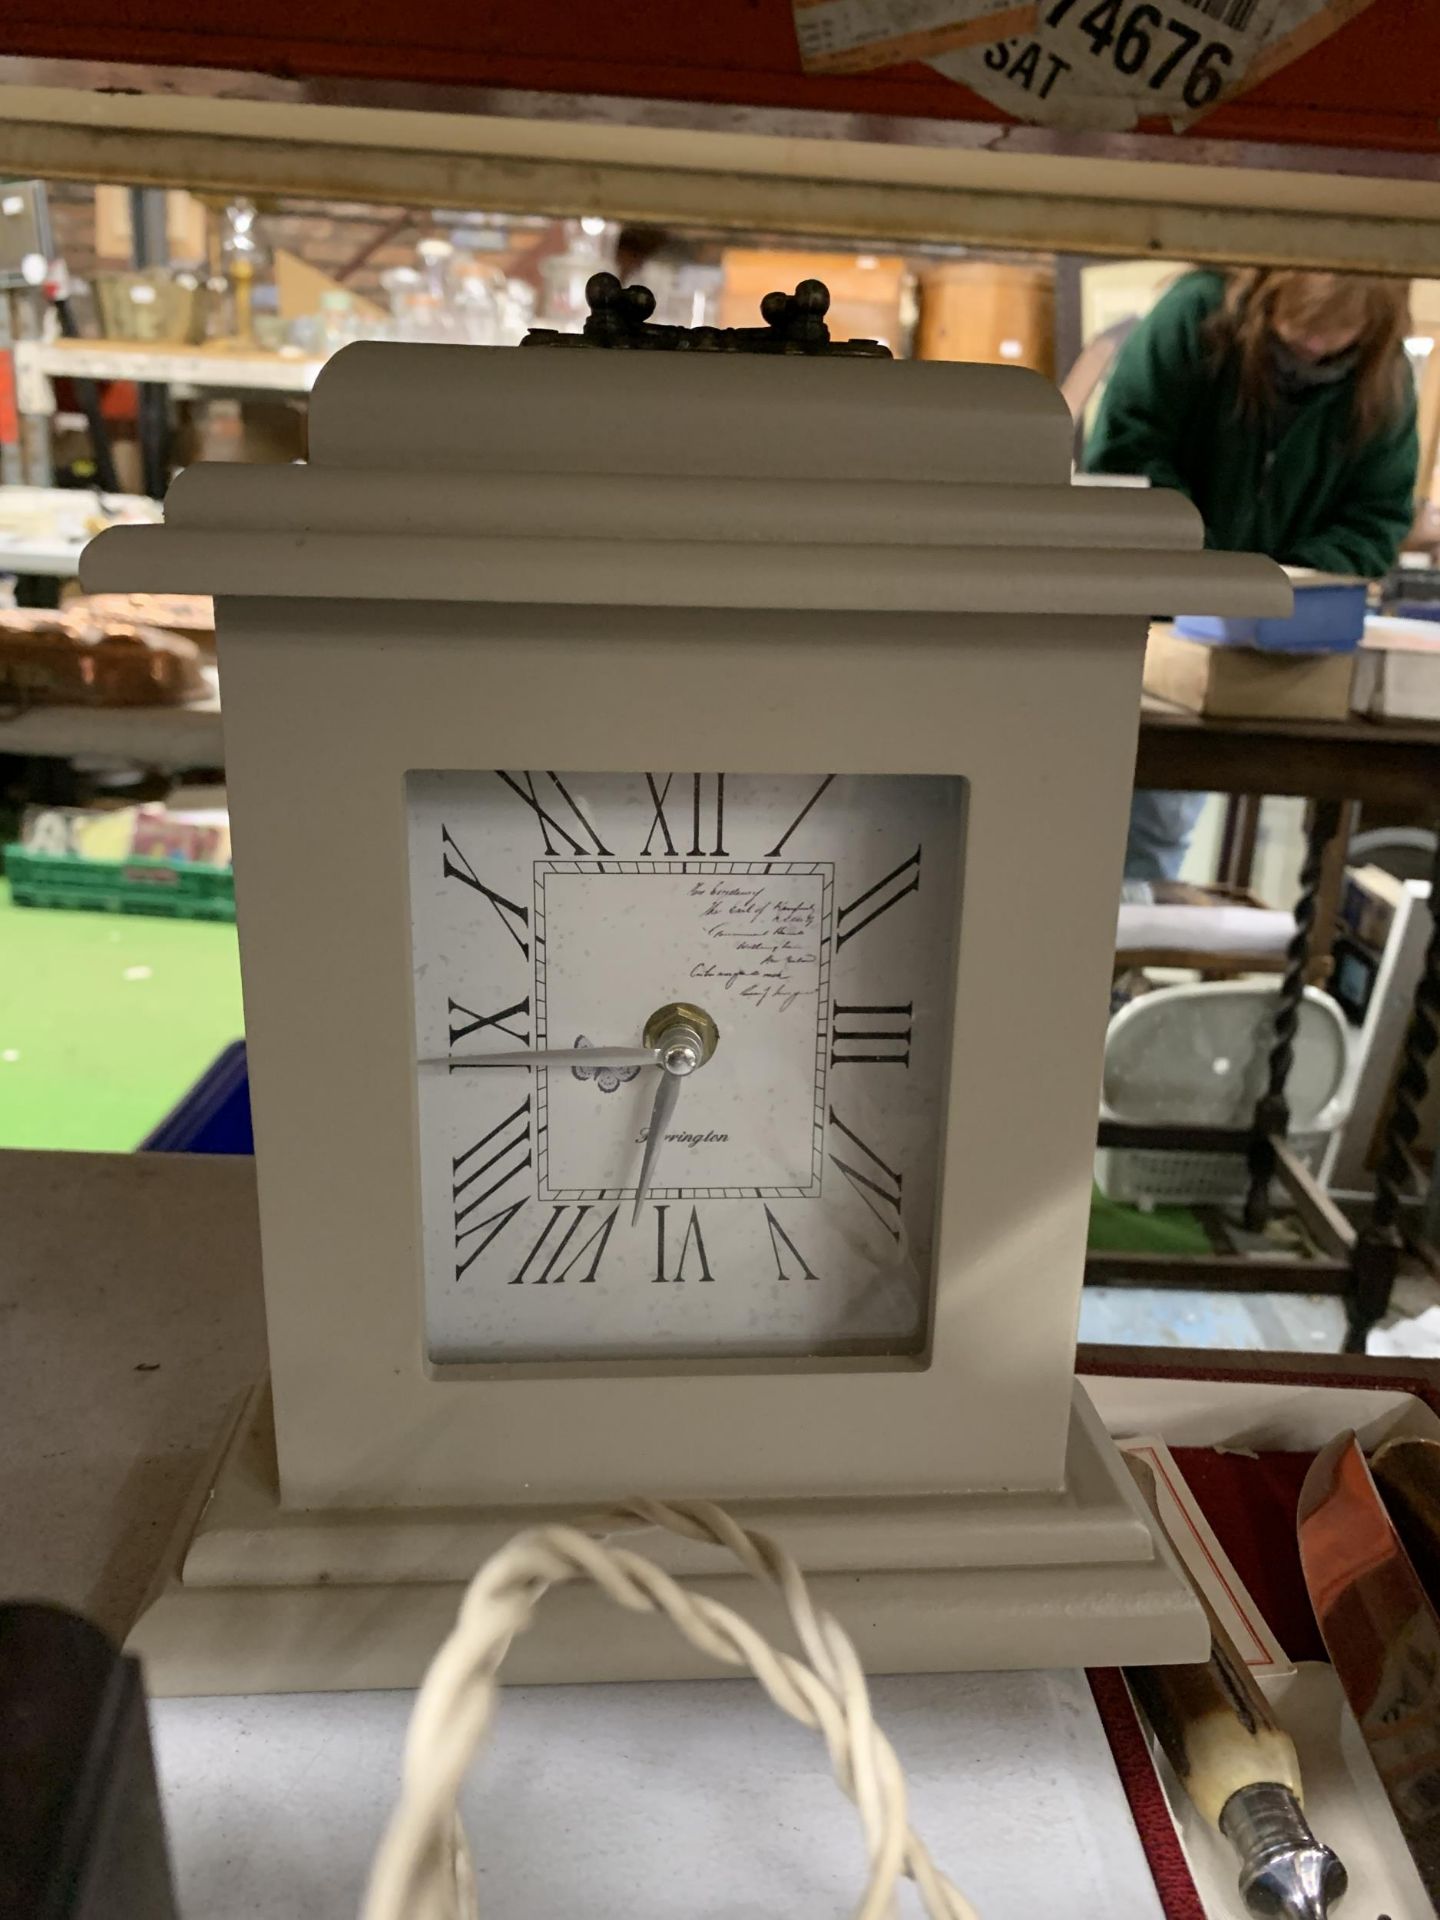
[{"x": 1329, "y": 617}]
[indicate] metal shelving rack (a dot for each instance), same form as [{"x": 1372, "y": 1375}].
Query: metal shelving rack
[{"x": 38, "y": 363}]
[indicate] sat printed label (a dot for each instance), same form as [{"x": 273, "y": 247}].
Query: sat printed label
[{"x": 1107, "y": 65}]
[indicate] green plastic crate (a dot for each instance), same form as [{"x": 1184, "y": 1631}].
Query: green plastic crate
[{"x": 144, "y": 884}]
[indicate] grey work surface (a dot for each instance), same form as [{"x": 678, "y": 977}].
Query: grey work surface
[
  {"x": 656, "y": 1802},
  {"x": 130, "y": 1317}
]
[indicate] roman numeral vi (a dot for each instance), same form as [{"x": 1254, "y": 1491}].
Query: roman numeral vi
[{"x": 693, "y": 1237}]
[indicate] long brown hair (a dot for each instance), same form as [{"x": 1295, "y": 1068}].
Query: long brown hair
[{"x": 1378, "y": 309}]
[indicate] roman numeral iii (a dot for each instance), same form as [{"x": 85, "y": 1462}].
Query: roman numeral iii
[
  {"x": 871, "y": 1036},
  {"x": 885, "y": 894}
]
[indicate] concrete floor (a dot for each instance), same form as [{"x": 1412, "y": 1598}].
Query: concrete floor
[{"x": 1261, "y": 1322}]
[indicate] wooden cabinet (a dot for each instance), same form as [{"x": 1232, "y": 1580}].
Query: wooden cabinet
[
  {"x": 868, "y": 291},
  {"x": 988, "y": 310}
]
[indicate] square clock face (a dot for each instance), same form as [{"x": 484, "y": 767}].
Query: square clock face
[{"x": 763, "y": 967}]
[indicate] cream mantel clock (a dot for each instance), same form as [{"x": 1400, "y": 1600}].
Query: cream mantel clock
[{"x": 678, "y": 803}]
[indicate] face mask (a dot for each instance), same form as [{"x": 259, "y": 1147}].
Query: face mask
[{"x": 1293, "y": 374}]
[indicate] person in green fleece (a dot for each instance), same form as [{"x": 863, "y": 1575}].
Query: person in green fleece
[{"x": 1282, "y": 404}]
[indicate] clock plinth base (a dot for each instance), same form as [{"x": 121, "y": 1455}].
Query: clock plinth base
[{"x": 257, "y": 1599}]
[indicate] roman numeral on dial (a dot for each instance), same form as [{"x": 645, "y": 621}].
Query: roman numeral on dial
[
  {"x": 779, "y": 846},
  {"x": 514, "y": 918},
  {"x": 463, "y": 1023},
  {"x": 525, "y": 787},
  {"x": 703, "y": 798},
  {"x": 480, "y": 1173},
  {"x": 877, "y": 1185},
  {"x": 886, "y": 893},
  {"x": 790, "y": 1264},
  {"x": 694, "y": 1241},
  {"x": 871, "y": 1036},
  {"x": 592, "y": 1243}
]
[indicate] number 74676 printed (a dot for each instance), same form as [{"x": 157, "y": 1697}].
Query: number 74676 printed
[{"x": 1108, "y": 63}]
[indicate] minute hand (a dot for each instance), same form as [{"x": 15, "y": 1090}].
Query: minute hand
[{"x": 553, "y": 1057}]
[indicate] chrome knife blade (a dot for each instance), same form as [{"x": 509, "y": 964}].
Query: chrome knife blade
[{"x": 1383, "y": 1638}]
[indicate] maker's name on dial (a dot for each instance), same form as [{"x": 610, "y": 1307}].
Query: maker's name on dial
[{"x": 685, "y": 1139}]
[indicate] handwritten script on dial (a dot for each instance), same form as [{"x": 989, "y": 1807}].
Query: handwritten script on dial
[{"x": 761, "y": 940}]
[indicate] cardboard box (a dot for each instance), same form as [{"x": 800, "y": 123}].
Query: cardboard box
[
  {"x": 868, "y": 291},
  {"x": 1397, "y": 670},
  {"x": 988, "y": 310},
  {"x": 1237, "y": 683},
  {"x": 1368, "y": 902}
]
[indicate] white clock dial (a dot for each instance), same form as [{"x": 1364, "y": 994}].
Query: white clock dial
[{"x": 787, "y": 1209}]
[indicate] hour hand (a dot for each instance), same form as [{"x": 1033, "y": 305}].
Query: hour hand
[
  {"x": 684, "y": 1038},
  {"x": 553, "y": 1057},
  {"x": 666, "y": 1096}
]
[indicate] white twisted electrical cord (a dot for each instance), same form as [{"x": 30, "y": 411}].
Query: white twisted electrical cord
[{"x": 422, "y": 1870}]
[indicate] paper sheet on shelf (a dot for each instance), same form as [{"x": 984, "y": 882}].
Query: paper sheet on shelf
[
  {"x": 656, "y": 1801},
  {"x": 1218, "y": 929},
  {"x": 1104, "y": 65}
]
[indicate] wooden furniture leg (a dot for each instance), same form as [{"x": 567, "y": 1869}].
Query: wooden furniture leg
[
  {"x": 1377, "y": 1250},
  {"x": 1272, "y": 1111}
]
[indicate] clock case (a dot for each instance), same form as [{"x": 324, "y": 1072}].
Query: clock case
[{"x": 584, "y": 560}]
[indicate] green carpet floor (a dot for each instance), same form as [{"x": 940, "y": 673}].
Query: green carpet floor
[
  {"x": 1119, "y": 1229},
  {"x": 106, "y": 1020}
]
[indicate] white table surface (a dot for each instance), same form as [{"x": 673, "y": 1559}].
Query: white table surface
[
  {"x": 695, "y": 1801},
  {"x": 130, "y": 1304}
]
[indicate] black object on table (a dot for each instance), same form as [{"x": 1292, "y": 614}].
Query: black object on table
[{"x": 81, "y": 1833}]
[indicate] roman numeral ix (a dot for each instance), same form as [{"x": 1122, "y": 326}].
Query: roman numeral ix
[{"x": 463, "y": 1023}]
